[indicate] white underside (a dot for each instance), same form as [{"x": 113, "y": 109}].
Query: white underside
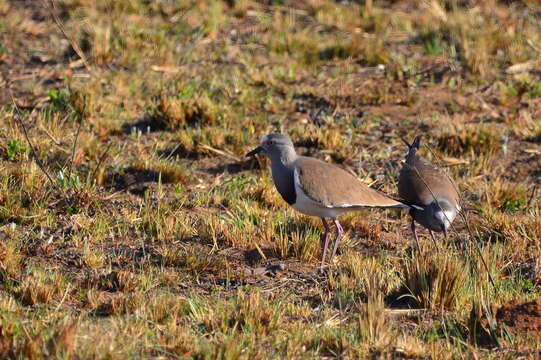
[
  {"x": 308, "y": 206},
  {"x": 449, "y": 215}
]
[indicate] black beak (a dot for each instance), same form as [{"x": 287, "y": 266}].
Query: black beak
[{"x": 255, "y": 151}]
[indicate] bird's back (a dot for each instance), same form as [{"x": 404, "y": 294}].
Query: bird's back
[
  {"x": 420, "y": 181},
  {"x": 333, "y": 186}
]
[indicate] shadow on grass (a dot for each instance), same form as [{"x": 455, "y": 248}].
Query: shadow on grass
[
  {"x": 146, "y": 124},
  {"x": 131, "y": 180},
  {"x": 253, "y": 257},
  {"x": 178, "y": 152},
  {"x": 234, "y": 167}
]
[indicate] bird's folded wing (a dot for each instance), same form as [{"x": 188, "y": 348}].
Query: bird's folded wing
[
  {"x": 419, "y": 182},
  {"x": 332, "y": 186}
]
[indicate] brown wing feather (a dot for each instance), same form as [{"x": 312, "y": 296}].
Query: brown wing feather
[
  {"x": 332, "y": 186},
  {"x": 413, "y": 190}
]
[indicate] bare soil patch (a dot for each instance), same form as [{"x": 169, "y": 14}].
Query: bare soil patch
[{"x": 521, "y": 317}]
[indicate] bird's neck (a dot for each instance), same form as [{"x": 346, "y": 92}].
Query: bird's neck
[
  {"x": 283, "y": 175},
  {"x": 285, "y": 159}
]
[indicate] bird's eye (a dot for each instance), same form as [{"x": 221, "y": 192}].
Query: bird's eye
[{"x": 270, "y": 142}]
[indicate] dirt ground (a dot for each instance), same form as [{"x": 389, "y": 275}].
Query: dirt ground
[{"x": 484, "y": 131}]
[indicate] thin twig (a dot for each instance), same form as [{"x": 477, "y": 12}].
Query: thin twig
[
  {"x": 52, "y": 138},
  {"x": 81, "y": 118},
  {"x": 72, "y": 42},
  {"x": 100, "y": 161},
  {"x": 19, "y": 121},
  {"x": 534, "y": 190},
  {"x": 219, "y": 152},
  {"x": 533, "y": 46},
  {"x": 172, "y": 152},
  {"x": 447, "y": 175},
  {"x": 63, "y": 297},
  {"x": 263, "y": 256},
  {"x": 463, "y": 215}
]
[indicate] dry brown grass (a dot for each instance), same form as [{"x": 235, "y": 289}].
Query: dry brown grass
[
  {"x": 436, "y": 282},
  {"x": 154, "y": 238}
]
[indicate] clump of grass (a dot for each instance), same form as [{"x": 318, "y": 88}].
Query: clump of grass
[
  {"x": 55, "y": 339},
  {"x": 103, "y": 303},
  {"x": 475, "y": 38},
  {"x": 41, "y": 288},
  {"x": 432, "y": 44},
  {"x": 375, "y": 328},
  {"x": 509, "y": 229},
  {"x": 482, "y": 324},
  {"x": 361, "y": 226},
  {"x": 215, "y": 20},
  {"x": 165, "y": 223},
  {"x": 247, "y": 312},
  {"x": 162, "y": 308},
  {"x": 410, "y": 346},
  {"x": 253, "y": 312},
  {"x": 93, "y": 258},
  {"x": 10, "y": 260},
  {"x": 175, "y": 113},
  {"x": 113, "y": 281},
  {"x": 505, "y": 195},
  {"x": 173, "y": 172},
  {"x": 466, "y": 140},
  {"x": 365, "y": 276},
  {"x": 294, "y": 240},
  {"x": 14, "y": 151},
  {"x": 61, "y": 343},
  {"x": 435, "y": 281},
  {"x": 186, "y": 142},
  {"x": 264, "y": 192},
  {"x": 197, "y": 262},
  {"x": 496, "y": 225},
  {"x": 369, "y": 51}
]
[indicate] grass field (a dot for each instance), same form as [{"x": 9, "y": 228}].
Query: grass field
[{"x": 147, "y": 233}]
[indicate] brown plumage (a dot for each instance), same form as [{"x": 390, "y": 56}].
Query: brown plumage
[
  {"x": 416, "y": 174},
  {"x": 317, "y": 188},
  {"x": 432, "y": 194},
  {"x": 333, "y": 186}
]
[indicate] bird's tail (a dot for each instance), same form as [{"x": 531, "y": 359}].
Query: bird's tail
[{"x": 413, "y": 147}]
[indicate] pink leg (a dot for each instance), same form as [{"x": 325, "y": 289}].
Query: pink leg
[
  {"x": 338, "y": 237},
  {"x": 326, "y": 236}
]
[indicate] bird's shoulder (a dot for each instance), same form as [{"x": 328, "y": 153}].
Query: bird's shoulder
[
  {"x": 331, "y": 185},
  {"x": 419, "y": 167},
  {"x": 311, "y": 169},
  {"x": 417, "y": 174}
]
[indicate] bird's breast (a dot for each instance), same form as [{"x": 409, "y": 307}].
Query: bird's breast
[{"x": 284, "y": 182}]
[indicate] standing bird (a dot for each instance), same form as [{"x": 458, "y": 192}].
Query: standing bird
[
  {"x": 317, "y": 188},
  {"x": 431, "y": 193}
]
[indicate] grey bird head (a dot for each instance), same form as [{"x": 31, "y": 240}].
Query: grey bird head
[
  {"x": 438, "y": 216},
  {"x": 274, "y": 146}
]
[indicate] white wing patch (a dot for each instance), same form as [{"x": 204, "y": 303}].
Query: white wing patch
[
  {"x": 296, "y": 178},
  {"x": 306, "y": 205}
]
